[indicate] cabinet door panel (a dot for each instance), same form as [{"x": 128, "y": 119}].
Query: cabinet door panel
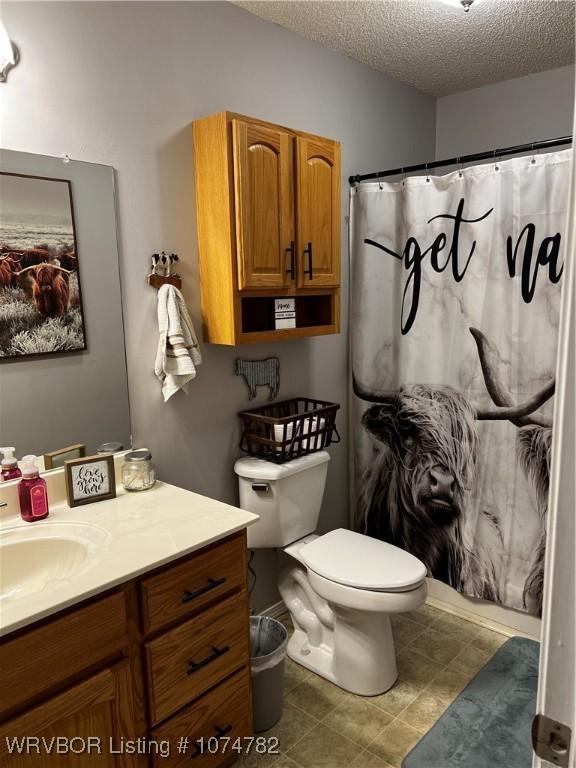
[
  {"x": 99, "y": 709},
  {"x": 263, "y": 190},
  {"x": 318, "y": 213},
  {"x": 47, "y": 655}
]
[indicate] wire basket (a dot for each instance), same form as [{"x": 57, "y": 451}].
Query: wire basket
[{"x": 284, "y": 431}]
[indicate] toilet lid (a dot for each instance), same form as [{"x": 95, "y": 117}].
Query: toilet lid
[{"x": 363, "y": 562}]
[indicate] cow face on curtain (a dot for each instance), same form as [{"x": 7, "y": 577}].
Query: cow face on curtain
[{"x": 453, "y": 458}]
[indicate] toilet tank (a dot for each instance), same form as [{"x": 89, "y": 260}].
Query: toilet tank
[{"x": 287, "y": 497}]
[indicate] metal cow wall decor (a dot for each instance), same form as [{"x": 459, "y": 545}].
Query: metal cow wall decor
[{"x": 260, "y": 373}]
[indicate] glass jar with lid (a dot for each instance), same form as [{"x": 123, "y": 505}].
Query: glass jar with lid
[
  {"x": 114, "y": 447},
  {"x": 138, "y": 473}
]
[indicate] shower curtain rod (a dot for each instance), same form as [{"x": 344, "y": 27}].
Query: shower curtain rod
[{"x": 494, "y": 154}]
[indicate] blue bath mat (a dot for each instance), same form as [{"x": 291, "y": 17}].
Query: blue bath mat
[{"x": 488, "y": 725}]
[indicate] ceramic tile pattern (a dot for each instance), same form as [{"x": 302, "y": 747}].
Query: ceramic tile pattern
[{"x": 325, "y": 727}]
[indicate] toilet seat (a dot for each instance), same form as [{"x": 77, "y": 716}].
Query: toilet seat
[
  {"x": 367, "y": 600},
  {"x": 362, "y": 563}
]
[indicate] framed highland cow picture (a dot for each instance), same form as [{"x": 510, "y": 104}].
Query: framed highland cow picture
[{"x": 40, "y": 298}]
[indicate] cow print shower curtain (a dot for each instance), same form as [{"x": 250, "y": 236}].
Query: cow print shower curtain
[{"x": 456, "y": 286}]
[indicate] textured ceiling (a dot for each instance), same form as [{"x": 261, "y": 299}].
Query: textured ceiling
[{"x": 433, "y": 46}]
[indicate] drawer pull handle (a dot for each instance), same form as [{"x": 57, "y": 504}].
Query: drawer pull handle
[
  {"x": 222, "y": 731},
  {"x": 211, "y": 584},
  {"x": 292, "y": 251},
  {"x": 308, "y": 252},
  {"x": 194, "y": 666}
]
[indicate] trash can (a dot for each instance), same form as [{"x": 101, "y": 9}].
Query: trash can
[{"x": 268, "y": 640}]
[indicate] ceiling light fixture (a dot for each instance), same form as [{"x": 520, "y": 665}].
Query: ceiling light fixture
[
  {"x": 9, "y": 54},
  {"x": 464, "y": 4}
]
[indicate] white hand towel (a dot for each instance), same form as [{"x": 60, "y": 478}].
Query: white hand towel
[{"x": 178, "y": 352}]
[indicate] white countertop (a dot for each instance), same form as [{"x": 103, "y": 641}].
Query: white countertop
[{"x": 133, "y": 533}]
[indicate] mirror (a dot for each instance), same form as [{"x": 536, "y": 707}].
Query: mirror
[{"x": 63, "y": 380}]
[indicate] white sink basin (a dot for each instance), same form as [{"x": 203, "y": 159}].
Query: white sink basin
[{"x": 35, "y": 556}]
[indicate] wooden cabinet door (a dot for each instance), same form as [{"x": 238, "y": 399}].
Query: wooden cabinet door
[
  {"x": 263, "y": 188},
  {"x": 87, "y": 718},
  {"x": 318, "y": 212},
  {"x": 47, "y": 657}
]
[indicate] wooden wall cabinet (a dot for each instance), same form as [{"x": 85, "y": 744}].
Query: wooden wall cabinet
[
  {"x": 163, "y": 657},
  {"x": 268, "y": 217}
]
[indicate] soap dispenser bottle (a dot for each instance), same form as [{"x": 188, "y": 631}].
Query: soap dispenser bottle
[
  {"x": 9, "y": 466},
  {"x": 32, "y": 492}
]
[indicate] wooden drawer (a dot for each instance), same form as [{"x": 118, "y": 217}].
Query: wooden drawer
[
  {"x": 182, "y": 590},
  {"x": 225, "y": 710},
  {"x": 186, "y": 661},
  {"x": 46, "y": 656}
]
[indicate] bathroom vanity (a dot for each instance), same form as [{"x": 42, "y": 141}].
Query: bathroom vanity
[{"x": 145, "y": 638}]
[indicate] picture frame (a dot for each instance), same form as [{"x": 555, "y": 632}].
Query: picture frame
[
  {"x": 90, "y": 479},
  {"x": 41, "y": 300},
  {"x": 56, "y": 459}
]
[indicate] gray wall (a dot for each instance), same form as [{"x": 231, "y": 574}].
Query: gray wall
[
  {"x": 120, "y": 83},
  {"x": 53, "y": 401},
  {"x": 517, "y": 111}
]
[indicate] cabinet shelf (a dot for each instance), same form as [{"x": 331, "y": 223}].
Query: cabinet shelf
[
  {"x": 268, "y": 213},
  {"x": 311, "y": 312}
]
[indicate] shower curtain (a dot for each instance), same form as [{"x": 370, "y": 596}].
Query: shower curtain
[{"x": 455, "y": 299}]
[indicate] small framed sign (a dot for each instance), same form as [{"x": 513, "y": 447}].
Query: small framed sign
[
  {"x": 90, "y": 479},
  {"x": 55, "y": 459},
  {"x": 285, "y": 313}
]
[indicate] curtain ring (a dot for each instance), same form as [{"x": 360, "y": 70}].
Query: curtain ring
[
  {"x": 378, "y": 180},
  {"x": 427, "y": 174},
  {"x": 496, "y": 160},
  {"x": 533, "y": 161},
  {"x": 460, "y": 168},
  {"x": 403, "y": 177}
]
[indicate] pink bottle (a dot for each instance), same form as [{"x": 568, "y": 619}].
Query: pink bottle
[
  {"x": 32, "y": 492},
  {"x": 10, "y": 470}
]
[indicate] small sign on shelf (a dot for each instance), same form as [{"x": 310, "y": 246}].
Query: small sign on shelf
[{"x": 285, "y": 313}]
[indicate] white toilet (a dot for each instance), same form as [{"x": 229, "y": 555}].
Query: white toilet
[{"x": 340, "y": 588}]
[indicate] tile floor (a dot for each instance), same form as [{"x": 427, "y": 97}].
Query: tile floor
[{"x": 325, "y": 727}]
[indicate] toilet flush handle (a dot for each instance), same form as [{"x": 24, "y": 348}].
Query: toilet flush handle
[{"x": 260, "y": 487}]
